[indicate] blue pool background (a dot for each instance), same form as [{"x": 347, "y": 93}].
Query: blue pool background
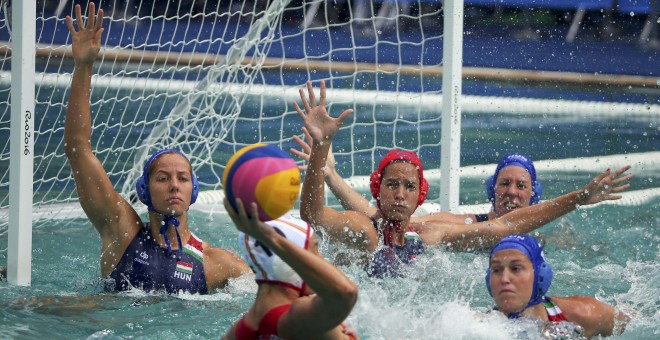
[{"x": 486, "y": 44}]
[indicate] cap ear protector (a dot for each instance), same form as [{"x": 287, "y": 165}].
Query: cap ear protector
[
  {"x": 376, "y": 176},
  {"x": 142, "y": 184},
  {"x": 529, "y": 246},
  {"x": 537, "y": 191},
  {"x": 518, "y": 160}
]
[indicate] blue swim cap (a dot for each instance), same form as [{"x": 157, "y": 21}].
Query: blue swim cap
[
  {"x": 142, "y": 188},
  {"x": 142, "y": 184},
  {"x": 529, "y": 246},
  {"x": 518, "y": 160}
]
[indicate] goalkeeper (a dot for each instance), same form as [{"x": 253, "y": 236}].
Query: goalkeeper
[{"x": 136, "y": 253}]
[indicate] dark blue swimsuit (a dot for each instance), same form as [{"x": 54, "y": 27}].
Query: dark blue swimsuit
[
  {"x": 387, "y": 260},
  {"x": 147, "y": 266}
]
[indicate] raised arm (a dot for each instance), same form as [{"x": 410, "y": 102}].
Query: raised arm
[
  {"x": 335, "y": 295},
  {"x": 106, "y": 209},
  {"x": 445, "y": 217},
  {"x": 603, "y": 187},
  {"x": 350, "y": 199},
  {"x": 351, "y": 228},
  {"x": 347, "y": 196}
]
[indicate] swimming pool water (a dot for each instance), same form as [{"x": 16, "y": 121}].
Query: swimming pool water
[{"x": 607, "y": 251}]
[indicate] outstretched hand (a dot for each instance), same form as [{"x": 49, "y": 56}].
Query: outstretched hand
[
  {"x": 318, "y": 122},
  {"x": 306, "y": 149},
  {"x": 86, "y": 42},
  {"x": 604, "y": 186}
]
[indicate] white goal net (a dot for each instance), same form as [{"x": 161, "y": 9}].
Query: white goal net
[{"x": 209, "y": 77}]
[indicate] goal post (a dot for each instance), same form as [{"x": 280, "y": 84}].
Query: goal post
[
  {"x": 451, "y": 105},
  {"x": 210, "y": 77},
  {"x": 19, "y": 253}
]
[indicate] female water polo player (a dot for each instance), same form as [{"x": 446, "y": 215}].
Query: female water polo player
[
  {"x": 284, "y": 256},
  {"x": 162, "y": 254},
  {"x": 518, "y": 278},
  {"x": 513, "y": 185},
  {"x": 387, "y": 238}
]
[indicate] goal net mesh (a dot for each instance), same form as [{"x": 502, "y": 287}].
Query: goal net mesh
[{"x": 209, "y": 77}]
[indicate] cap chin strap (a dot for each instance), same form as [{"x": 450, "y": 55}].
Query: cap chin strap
[
  {"x": 396, "y": 225},
  {"x": 517, "y": 314},
  {"x": 167, "y": 220},
  {"x": 531, "y": 303}
]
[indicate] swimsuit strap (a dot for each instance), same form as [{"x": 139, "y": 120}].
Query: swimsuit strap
[
  {"x": 554, "y": 313},
  {"x": 268, "y": 323},
  {"x": 243, "y": 331}
]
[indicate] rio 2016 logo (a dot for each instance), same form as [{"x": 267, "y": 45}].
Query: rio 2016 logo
[{"x": 26, "y": 133}]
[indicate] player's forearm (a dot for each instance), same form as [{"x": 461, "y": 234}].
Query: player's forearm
[
  {"x": 521, "y": 221},
  {"x": 325, "y": 279},
  {"x": 535, "y": 216},
  {"x": 77, "y": 126},
  {"x": 348, "y": 197},
  {"x": 530, "y": 218},
  {"x": 313, "y": 190}
]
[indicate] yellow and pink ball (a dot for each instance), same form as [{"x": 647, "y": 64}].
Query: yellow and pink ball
[{"x": 263, "y": 174}]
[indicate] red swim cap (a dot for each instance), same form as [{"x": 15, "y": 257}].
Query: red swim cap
[{"x": 390, "y": 157}]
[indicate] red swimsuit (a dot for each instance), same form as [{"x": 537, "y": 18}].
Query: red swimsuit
[{"x": 267, "y": 325}]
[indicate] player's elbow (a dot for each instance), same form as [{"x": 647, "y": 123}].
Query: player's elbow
[
  {"x": 347, "y": 295},
  {"x": 350, "y": 293}
]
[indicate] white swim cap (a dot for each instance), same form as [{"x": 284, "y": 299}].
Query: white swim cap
[{"x": 267, "y": 266}]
